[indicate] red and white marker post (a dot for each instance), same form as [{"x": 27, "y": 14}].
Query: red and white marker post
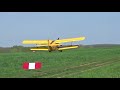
[{"x": 36, "y": 65}]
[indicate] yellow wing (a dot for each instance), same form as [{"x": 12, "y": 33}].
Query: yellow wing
[
  {"x": 34, "y": 49},
  {"x": 70, "y": 40},
  {"x": 68, "y": 47},
  {"x": 42, "y": 42}
]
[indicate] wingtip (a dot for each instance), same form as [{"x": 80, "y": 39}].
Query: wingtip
[
  {"x": 83, "y": 37},
  {"x": 23, "y": 42}
]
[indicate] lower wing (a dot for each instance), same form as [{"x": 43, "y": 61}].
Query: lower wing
[
  {"x": 70, "y": 47},
  {"x": 34, "y": 49}
]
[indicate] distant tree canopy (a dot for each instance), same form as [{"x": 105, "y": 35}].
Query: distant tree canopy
[{"x": 15, "y": 48}]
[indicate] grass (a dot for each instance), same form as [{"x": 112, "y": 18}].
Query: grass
[{"x": 75, "y": 63}]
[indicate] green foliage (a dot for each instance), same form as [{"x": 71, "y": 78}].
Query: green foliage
[
  {"x": 14, "y": 49},
  {"x": 76, "y": 63}
]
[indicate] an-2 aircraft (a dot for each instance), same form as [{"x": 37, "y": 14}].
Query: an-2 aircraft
[{"x": 53, "y": 45}]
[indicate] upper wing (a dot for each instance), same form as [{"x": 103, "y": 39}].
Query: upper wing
[
  {"x": 42, "y": 42},
  {"x": 70, "y": 40}
]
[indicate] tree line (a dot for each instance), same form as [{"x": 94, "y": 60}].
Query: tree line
[{"x": 15, "y": 48}]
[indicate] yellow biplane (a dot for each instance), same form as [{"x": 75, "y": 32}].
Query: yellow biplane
[{"x": 53, "y": 45}]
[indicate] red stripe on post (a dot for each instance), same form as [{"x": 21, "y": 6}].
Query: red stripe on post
[
  {"x": 38, "y": 65},
  {"x": 25, "y": 65}
]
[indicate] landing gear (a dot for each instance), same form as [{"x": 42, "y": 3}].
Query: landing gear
[
  {"x": 49, "y": 51},
  {"x": 60, "y": 50}
]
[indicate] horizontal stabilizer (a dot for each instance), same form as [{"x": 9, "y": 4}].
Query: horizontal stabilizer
[{"x": 68, "y": 47}]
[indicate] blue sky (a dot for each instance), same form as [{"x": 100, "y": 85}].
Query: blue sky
[{"x": 97, "y": 27}]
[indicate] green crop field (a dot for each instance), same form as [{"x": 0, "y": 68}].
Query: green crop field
[{"x": 99, "y": 62}]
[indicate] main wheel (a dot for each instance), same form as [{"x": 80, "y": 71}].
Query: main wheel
[
  {"x": 60, "y": 50},
  {"x": 49, "y": 51}
]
